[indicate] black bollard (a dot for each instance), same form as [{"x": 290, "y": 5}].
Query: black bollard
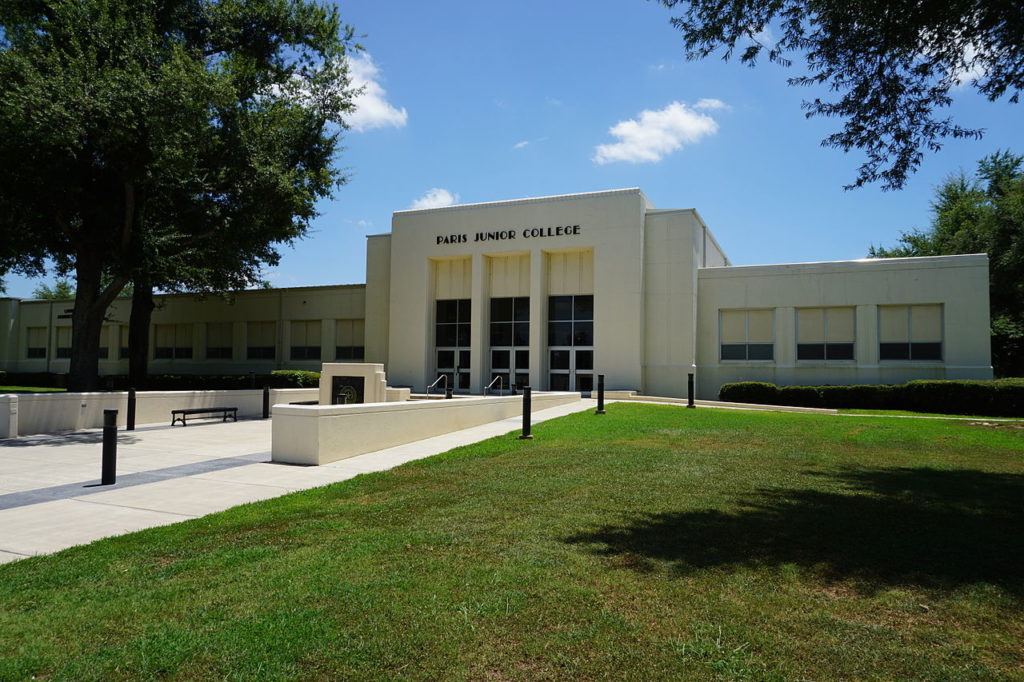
[
  {"x": 448, "y": 392},
  {"x": 266, "y": 402},
  {"x": 689, "y": 390},
  {"x": 130, "y": 426},
  {"x": 526, "y": 435},
  {"x": 600, "y": 394},
  {"x": 109, "y": 475}
]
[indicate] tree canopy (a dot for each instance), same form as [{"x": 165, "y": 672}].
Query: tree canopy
[
  {"x": 61, "y": 289},
  {"x": 891, "y": 64},
  {"x": 983, "y": 213},
  {"x": 176, "y": 141}
]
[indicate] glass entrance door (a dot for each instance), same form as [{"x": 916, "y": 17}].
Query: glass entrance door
[
  {"x": 451, "y": 342},
  {"x": 571, "y": 343}
]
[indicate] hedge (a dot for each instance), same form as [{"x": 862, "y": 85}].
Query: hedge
[
  {"x": 998, "y": 398},
  {"x": 283, "y": 378}
]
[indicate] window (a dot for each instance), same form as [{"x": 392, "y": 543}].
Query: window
[
  {"x": 451, "y": 340},
  {"x": 349, "y": 344},
  {"x": 261, "y": 340},
  {"x": 824, "y": 333},
  {"x": 123, "y": 353},
  {"x": 571, "y": 343},
  {"x": 910, "y": 332},
  {"x": 510, "y": 341},
  {"x": 219, "y": 341},
  {"x": 173, "y": 342},
  {"x": 104, "y": 343},
  {"x": 35, "y": 343},
  {"x": 305, "y": 343},
  {"x": 63, "y": 342},
  {"x": 747, "y": 334}
]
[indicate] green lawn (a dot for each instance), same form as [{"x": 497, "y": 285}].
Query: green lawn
[
  {"x": 652, "y": 543},
  {"x": 29, "y": 389}
]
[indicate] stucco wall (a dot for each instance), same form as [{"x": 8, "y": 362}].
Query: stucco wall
[{"x": 958, "y": 283}]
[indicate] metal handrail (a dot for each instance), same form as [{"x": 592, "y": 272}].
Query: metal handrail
[
  {"x": 434, "y": 385},
  {"x": 498, "y": 380}
]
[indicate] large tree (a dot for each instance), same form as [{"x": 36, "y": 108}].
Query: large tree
[
  {"x": 167, "y": 142},
  {"x": 892, "y": 64},
  {"x": 983, "y": 213}
]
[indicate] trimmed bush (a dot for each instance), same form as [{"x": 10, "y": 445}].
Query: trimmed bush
[
  {"x": 758, "y": 392},
  {"x": 999, "y": 398}
]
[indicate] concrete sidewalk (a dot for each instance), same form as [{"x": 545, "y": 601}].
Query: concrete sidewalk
[{"x": 50, "y": 497}]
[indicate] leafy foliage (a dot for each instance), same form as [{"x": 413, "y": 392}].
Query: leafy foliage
[
  {"x": 983, "y": 214},
  {"x": 62, "y": 289},
  {"x": 171, "y": 140},
  {"x": 892, "y": 64}
]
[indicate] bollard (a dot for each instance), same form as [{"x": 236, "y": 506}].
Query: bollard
[
  {"x": 130, "y": 426},
  {"x": 600, "y": 394},
  {"x": 689, "y": 390},
  {"x": 266, "y": 402},
  {"x": 448, "y": 392},
  {"x": 526, "y": 435},
  {"x": 109, "y": 475}
]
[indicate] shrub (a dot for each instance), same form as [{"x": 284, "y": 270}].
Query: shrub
[
  {"x": 999, "y": 398},
  {"x": 758, "y": 392},
  {"x": 799, "y": 396},
  {"x": 299, "y": 378}
]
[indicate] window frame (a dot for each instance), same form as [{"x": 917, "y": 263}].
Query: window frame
[
  {"x": 825, "y": 344},
  {"x": 746, "y": 334},
  {"x": 910, "y": 342}
]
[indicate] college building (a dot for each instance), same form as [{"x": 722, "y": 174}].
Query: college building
[{"x": 551, "y": 291}]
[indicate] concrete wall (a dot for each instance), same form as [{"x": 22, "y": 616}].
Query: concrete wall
[
  {"x": 958, "y": 283},
  {"x": 609, "y": 240},
  {"x": 327, "y": 305},
  {"x": 378, "y": 296},
  {"x": 315, "y": 435},
  {"x": 56, "y": 412}
]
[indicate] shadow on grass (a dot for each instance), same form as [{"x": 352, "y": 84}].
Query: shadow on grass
[{"x": 932, "y": 528}]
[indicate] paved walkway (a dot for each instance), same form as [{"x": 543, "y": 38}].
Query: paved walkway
[{"x": 51, "y": 497}]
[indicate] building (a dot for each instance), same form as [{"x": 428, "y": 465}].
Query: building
[{"x": 551, "y": 291}]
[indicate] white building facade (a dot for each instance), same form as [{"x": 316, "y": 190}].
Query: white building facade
[{"x": 553, "y": 291}]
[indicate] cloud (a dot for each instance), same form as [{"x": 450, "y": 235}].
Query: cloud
[
  {"x": 710, "y": 105},
  {"x": 435, "y": 198},
  {"x": 656, "y": 134},
  {"x": 372, "y": 110},
  {"x": 520, "y": 145}
]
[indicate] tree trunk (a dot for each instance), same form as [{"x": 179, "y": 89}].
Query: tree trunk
[
  {"x": 91, "y": 303},
  {"x": 138, "y": 332}
]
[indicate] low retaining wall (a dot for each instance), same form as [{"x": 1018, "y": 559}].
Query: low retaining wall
[
  {"x": 318, "y": 434},
  {"x": 24, "y": 414}
]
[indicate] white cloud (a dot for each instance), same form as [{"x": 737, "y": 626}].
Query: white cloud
[
  {"x": 656, "y": 134},
  {"x": 372, "y": 110},
  {"x": 435, "y": 198},
  {"x": 710, "y": 105},
  {"x": 520, "y": 145}
]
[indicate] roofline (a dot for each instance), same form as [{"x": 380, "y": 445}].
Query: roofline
[
  {"x": 526, "y": 200},
  {"x": 955, "y": 260}
]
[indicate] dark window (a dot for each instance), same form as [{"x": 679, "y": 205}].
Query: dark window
[
  {"x": 452, "y": 327},
  {"x": 560, "y": 359},
  {"x": 259, "y": 353},
  {"x": 124, "y": 354},
  {"x": 218, "y": 352},
  {"x": 35, "y": 353},
  {"x": 305, "y": 352},
  {"x": 500, "y": 359},
  {"x": 583, "y": 333},
  {"x": 501, "y": 333},
  {"x": 585, "y": 359},
  {"x": 570, "y": 321},
  {"x": 522, "y": 359},
  {"x": 163, "y": 353},
  {"x": 559, "y": 382},
  {"x": 445, "y": 358},
  {"x": 839, "y": 351},
  {"x": 824, "y": 351},
  {"x": 560, "y": 333},
  {"x": 584, "y": 382},
  {"x": 521, "y": 334},
  {"x": 349, "y": 352},
  {"x": 894, "y": 351},
  {"x": 734, "y": 351},
  {"x": 926, "y": 351},
  {"x": 104, "y": 353},
  {"x": 464, "y": 359},
  {"x": 185, "y": 353},
  {"x": 560, "y": 308},
  {"x": 63, "y": 352},
  {"x": 748, "y": 351}
]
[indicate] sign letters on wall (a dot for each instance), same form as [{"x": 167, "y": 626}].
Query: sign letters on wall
[{"x": 502, "y": 235}]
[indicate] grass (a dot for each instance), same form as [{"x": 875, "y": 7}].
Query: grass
[
  {"x": 29, "y": 389},
  {"x": 906, "y": 413},
  {"x": 652, "y": 543}
]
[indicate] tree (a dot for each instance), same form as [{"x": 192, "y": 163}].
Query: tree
[
  {"x": 893, "y": 64},
  {"x": 61, "y": 290},
  {"x": 975, "y": 214},
  {"x": 173, "y": 143}
]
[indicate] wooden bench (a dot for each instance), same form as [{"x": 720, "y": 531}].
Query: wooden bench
[{"x": 177, "y": 415}]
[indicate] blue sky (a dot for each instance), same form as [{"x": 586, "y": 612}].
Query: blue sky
[{"x": 474, "y": 101}]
